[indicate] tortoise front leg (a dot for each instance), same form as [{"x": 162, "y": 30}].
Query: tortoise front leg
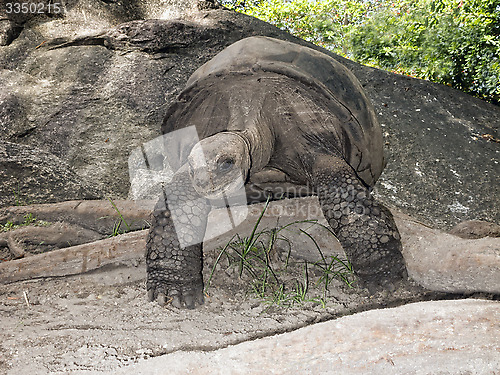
[
  {"x": 365, "y": 228},
  {"x": 174, "y": 256}
]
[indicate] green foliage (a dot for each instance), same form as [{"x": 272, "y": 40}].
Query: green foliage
[
  {"x": 447, "y": 41},
  {"x": 454, "y": 42},
  {"x": 326, "y": 23}
]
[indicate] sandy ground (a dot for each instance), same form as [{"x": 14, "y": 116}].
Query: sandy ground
[{"x": 101, "y": 320}]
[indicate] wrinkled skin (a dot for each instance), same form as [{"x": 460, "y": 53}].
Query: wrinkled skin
[
  {"x": 365, "y": 228},
  {"x": 175, "y": 273},
  {"x": 219, "y": 164}
]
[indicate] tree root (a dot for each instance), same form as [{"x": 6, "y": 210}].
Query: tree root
[
  {"x": 126, "y": 249},
  {"x": 96, "y": 215},
  {"x": 54, "y": 236}
]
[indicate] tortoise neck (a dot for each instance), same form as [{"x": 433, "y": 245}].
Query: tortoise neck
[{"x": 260, "y": 143}]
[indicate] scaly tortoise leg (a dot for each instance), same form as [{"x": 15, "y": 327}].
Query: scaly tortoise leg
[
  {"x": 365, "y": 228},
  {"x": 174, "y": 271}
]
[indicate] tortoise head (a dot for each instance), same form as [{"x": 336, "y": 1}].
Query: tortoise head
[{"x": 219, "y": 164}]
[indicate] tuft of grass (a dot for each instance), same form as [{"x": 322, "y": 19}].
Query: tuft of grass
[
  {"x": 256, "y": 258},
  {"x": 29, "y": 219},
  {"x": 117, "y": 227}
]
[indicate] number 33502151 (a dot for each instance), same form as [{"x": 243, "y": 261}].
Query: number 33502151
[{"x": 17, "y": 7}]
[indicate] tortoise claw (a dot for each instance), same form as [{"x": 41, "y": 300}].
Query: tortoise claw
[
  {"x": 176, "y": 302},
  {"x": 151, "y": 295},
  {"x": 162, "y": 299},
  {"x": 187, "y": 295}
]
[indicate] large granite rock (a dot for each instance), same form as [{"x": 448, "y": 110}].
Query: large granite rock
[
  {"x": 440, "y": 337},
  {"x": 91, "y": 104},
  {"x": 31, "y": 175},
  {"x": 105, "y": 90}
]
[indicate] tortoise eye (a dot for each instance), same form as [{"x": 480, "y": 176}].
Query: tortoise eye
[{"x": 225, "y": 165}]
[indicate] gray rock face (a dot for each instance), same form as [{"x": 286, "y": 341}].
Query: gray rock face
[
  {"x": 80, "y": 16},
  {"x": 26, "y": 171},
  {"x": 92, "y": 103},
  {"x": 404, "y": 340},
  {"x": 107, "y": 90},
  {"x": 443, "y": 166},
  {"x": 81, "y": 106}
]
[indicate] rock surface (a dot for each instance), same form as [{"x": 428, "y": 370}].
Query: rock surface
[
  {"x": 30, "y": 175},
  {"x": 447, "y": 263},
  {"x": 91, "y": 104},
  {"x": 476, "y": 229},
  {"x": 105, "y": 92},
  {"x": 439, "y": 337}
]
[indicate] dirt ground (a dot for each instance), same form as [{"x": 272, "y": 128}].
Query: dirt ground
[{"x": 101, "y": 320}]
